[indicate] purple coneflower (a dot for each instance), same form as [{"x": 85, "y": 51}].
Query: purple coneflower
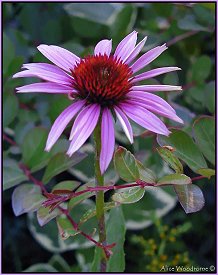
[{"x": 100, "y": 86}]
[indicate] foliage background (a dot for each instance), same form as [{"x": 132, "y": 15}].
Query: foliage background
[{"x": 189, "y": 30}]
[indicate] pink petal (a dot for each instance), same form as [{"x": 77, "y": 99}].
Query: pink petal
[
  {"x": 156, "y": 88},
  {"x": 91, "y": 114},
  {"x": 107, "y": 140},
  {"x": 61, "y": 123},
  {"x": 126, "y": 46},
  {"x": 47, "y": 87},
  {"x": 59, "y": 56},
  {"x": 46, "y": 72},
  {"x": 103, "y": 47},
  {"x": 145, "y": 118},
  {"x": 127, "y": 128},
  {"x": 153, "y": 73},
  {"x": 147, "y": 58},
  {"x": 135, "y": 51},
  {"x": 153, "y": 103}
]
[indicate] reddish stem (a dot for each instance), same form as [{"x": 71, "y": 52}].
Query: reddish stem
[
  {"x": 9, "y": 140},
  {"x": 198, "y": 178}
]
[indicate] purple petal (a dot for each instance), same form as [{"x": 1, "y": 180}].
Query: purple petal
[
  {"x": 153, "y": 73},
  {"x": 91, "y": 115},
  {"x": 153, "y": 103},
  {"x": 135, "y": 51},
  {"x": 46, "y": 72},
  {"x": 103, "y": 47},
  {"x": 59, "y": 56},
  {"x": 127, "y": 128},
  {"x": 61, "y": 122},
  {"x": 107, "y": 140},
  {"x": 126, "y": 46},
  {"x": 47, "y": 87},
  {"x": 145, "y": 118},
  {"x": 156, "y": 88},
  {"x": 147, "y": 58}
]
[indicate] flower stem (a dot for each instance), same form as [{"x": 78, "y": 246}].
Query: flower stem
[{"x": 100, "y": 196}]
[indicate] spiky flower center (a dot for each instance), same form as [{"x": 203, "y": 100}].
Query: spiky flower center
[{"x": 102, "y": 79}]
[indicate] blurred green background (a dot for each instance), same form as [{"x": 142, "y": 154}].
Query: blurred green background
[{"x": 170, "y": 237}]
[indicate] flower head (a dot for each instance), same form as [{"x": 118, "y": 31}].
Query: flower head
[{"x": 99, "y": 85}]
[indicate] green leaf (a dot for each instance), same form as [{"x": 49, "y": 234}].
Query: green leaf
[
  {"x": 174, "y": 179},
  {"x": 204, "y": 130},
  {"x": 146, "y": 174},
  {"x": 66, "y": 185},
  {"x": 95, "y": 12},
  {"x": 59, "y": 263},
  {"x": 26, "y": 198},
  {"x": 129, "y": 195},
  {"x": 190, "y": 197},
  {"x": 116, "y": 231},
  {"x": 206, "y": 172},
  {"x": 201, "y": 68},
  {"x": 8, "y": 52},
  {"x": 59, "y": 163},
  {"x": 12, "y": 174},
  {"x": 185, "y": 149},
  {"x": 65, "y": 227},
  {"x": 10, "y": 108},
  {"x": 33, "y": 154},
  {"x": 172, "y": 160},
  {"x": 39, "y": 268},
  {"x": 92, "y": 212},
  {"x": 188, "y": 23},
  {"x": 209, "y": 97},
  {"x": 44, "y": 216},
  {"x": 126, "y": 165}
]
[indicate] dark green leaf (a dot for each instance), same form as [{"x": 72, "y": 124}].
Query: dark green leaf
[
  {"x": 10, "y": 108},
  {"x": 33, "y": 147},
  {"x": 126, "y": 165},
  {"x": 174, "y": 179},
  {"x": 59, "y": 263},
  {"x": 66, "y": 185},
  {"x": 65, "y": 227},
  {"x": 188, "y": 23},
  {"x": 8, "y": 52},
  {"x": 27, "y": 198},
  {"x": 172, "y": 160},
  {"x": 201, "y": 68},
  {"x": 204, "y": 130},
  {"x": 190, "y": 197},
  {"x": 129, "y": 195},
  {"x": 12, "y": 174},
  {"x": 185, "y": 149},
  {"x": 59, "y": 163}
]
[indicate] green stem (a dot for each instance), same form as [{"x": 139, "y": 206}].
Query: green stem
[{"x": 100, "y": 196}]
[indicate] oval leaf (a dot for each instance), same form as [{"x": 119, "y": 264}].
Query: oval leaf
[
  {"x": 65, "y": 227},
  {"x": 26, "y": 198},
  {"x": 204, "y": 130},
  {"x": 207, "y": 172},
  {"x": 44, "y": 216},
  {"x": 185, "y": 149},
  {"x": 190, "y": 197},
  {"x": 126, "y": 165},
  {"x": 59, "y": 163},
  {"x": 168, "y": 156},
  {"x": 177, "y": 179},
  {"x": 129, "y": 195}
]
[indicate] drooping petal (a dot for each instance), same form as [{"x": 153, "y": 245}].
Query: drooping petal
[
  {"x": 103, "y": 47},
  {"x": 153, "y": 103},
  {"x": 107, "y": 140},
  {"x": 156, "y": 88},
  {"x": 135, "y": 51},
  {"x": 145, "y": 118},
  {"x": 79, "y": 138},
  {"x": 46, "y": 72},
  {"x": 47, "y": 87},
  {"x": 59, "y": 56},
  {"x": 61, "y": 123},
  {"x": 147, "y": 58},
  {"x": 127, "y": 128},
  {"x": 153, "y": 73},
  {"x": 126, "y": 46}
]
